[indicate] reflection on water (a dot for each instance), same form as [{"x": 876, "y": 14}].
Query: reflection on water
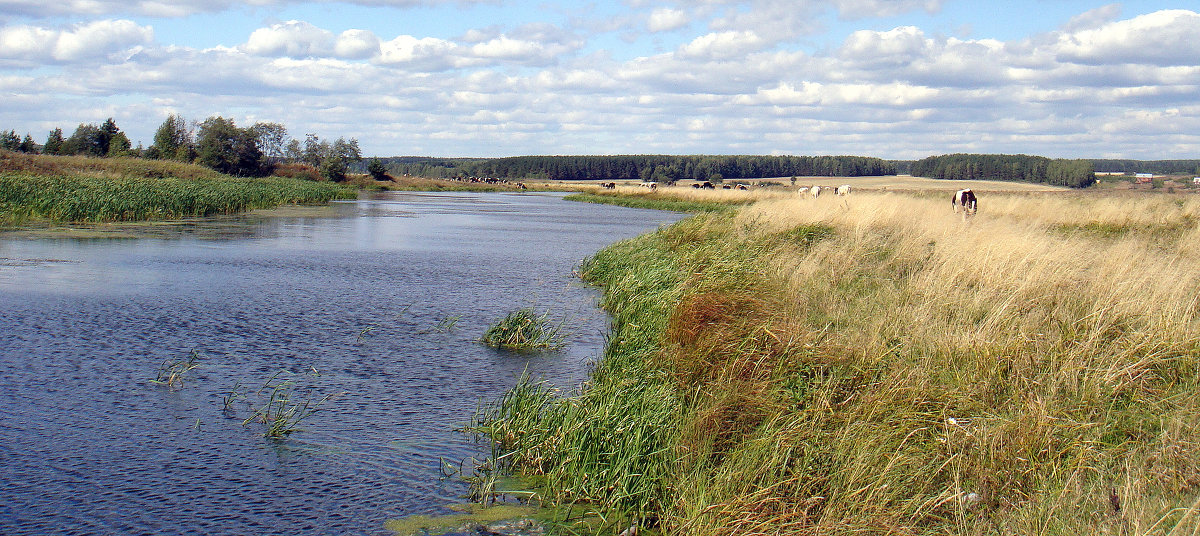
[{"x": 382, "y": 306}]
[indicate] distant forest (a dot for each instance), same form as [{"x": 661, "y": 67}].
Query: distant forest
[
  {"x": 1158, "y": 167},
  {"x": 1007, "y": 167},
  {"x": 657, "y": 168}
]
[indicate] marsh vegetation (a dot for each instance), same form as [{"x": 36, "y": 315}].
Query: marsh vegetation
[
  {"x": 524, "y": 330},
  {"x": 83, "y": 189}
]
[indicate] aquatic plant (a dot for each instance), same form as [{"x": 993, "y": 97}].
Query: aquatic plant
[
  {"x": 524, "y": 329},
  {"x": 172, "y": 371},
  {"x": 280, "y": 410},
  {"x": 110, "y": 198}
]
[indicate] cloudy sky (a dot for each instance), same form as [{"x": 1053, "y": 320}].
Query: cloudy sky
[{"x": 887, "y": 78}]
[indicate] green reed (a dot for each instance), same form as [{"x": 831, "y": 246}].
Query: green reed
[
  {"x": 172, "y": 371},
  {"x": 107, "y": 199},
  {"x": 524, "y": 329},
  {"x": 282, "y": 411}
]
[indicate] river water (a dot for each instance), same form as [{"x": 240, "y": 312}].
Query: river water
[{"x": 380, "y": 307}]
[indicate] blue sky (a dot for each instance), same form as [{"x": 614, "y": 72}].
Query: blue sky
[{"x": 887, "y": 78}]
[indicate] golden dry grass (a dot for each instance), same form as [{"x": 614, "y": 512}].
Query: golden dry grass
[{"x": 992, "y": 375}]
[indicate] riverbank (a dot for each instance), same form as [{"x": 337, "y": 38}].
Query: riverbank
[
  {"x": 49, "y": 189},
  {"x": 876, "y": 363}
]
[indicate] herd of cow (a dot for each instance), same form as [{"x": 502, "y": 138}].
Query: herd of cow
[{"x": 964, "y": 200}]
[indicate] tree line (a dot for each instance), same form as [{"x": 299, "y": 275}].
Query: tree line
[
  {"x": 1158, "y": 167},
  {"x": 216, "y": 142},
  {"x": 1007, "y": 167},
  {"x": 666, "y": 168}
]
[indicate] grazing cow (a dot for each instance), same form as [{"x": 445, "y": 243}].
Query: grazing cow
[
  {"x": 802, "y": 192},
  {"x": 815, "y": 191},
  {"x": 608, "y": 185},
  {"x": 965, "y": 199},
  {"x": 708, "y": 185},
  {"x": 843, "y": 190},
  {"x": 743, "y": 187}
]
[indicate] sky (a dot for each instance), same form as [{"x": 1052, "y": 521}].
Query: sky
[{"x": 896, "y": 79}]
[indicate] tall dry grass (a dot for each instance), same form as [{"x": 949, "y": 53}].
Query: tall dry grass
[{"x": 990, "y": 375}]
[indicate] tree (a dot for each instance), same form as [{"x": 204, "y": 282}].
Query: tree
[
  {"x": 54, "y": 142},
  {"x": 172, "y": 140},
  {"x": 119, "y": 145},
  {"x": 293, "y": 152},
  {"x": 377, "y": 170},
  {"x": 223, "y": 146},
  {"x": 104, "y": 138},
  {"x": 86, "y": 140},
  {"x": 272, "y": 139},
  {"x": 10, "y": 141},
  {"x": 337, "y": 160},
  {"x": 28, "y": 145}
]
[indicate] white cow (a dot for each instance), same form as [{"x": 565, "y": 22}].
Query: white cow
[
  {"x": 843, "y": 190},
  {"x": 802, "y": 192},
  {"x": 815, "y": 191}
]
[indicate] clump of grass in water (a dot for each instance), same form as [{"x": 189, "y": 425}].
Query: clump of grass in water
[
  {"x": 281, "y": 412},
  {"x": 172, "y": 371},
  {"x": 524, "y": 329}
]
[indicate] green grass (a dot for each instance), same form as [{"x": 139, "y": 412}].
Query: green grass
[
  {"x": 657, "y": 203},
  {"x": 172, "y": 371},
  {"x": 282, "y": 410},
  {"x": 608, "y": 450},
  {"x": 96, "y": 199},
  {"x": 524, "y": 329},
  {"x": 94, "y": 190}
]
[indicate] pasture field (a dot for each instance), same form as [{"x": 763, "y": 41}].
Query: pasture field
[
  {"x": 876, "y": 364},
  {"x": 782, "y": 185}
]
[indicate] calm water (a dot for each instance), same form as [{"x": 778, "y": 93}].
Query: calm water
[{"x": 382, "y": 307}]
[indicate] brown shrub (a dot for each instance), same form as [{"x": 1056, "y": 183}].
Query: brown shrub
[{"x": 298, "y": 171}]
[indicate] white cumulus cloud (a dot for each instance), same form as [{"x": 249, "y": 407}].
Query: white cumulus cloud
[
  {"x": 31, "y": 44},
  {"x": 722, "y": 45},
  {"x": 293, "y": 38},
  {"x": 1170, "y": 37},
  {"x": 666, "y": 19}
]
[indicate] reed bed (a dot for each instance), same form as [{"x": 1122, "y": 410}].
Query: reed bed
[
  {"x": 104, "y": 199},
  {"x": 877, "y": 364}
]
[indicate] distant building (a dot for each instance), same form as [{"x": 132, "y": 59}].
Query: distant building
[
  {"x": 1195, "y": 180},
  {"x": 1143, "y": 178}
]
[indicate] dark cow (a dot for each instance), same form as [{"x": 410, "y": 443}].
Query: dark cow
[
  {"x": 608, "y": 185},
  {"x": 965, "y": 200},
  {"x": 707, "y": 184}
]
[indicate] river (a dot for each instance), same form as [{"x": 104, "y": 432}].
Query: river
[{"x": 380, "y": 307}]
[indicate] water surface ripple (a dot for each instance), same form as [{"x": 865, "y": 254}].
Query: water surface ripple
[{"x": 381, "y": 307}]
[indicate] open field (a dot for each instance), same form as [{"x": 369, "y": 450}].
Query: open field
[
  {"x": 877, "y": 364},
  {"x": 890, "y": 182}
]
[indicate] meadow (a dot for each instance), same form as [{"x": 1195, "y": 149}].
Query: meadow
[
  {"x": 878, "y": 364},
  {"x": 81, "y": 189}
]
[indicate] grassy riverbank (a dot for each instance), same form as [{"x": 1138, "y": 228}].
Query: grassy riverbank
[
  {"x": 876, "y": 364},
  {"x": 78, "y": 189}
]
